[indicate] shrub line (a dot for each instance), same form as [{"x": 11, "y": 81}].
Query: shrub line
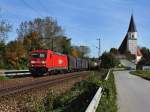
[{"x": 95, "y": 101}]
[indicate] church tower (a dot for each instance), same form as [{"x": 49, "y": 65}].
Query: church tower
[
  {"x": 130, "y": 41},
  {"x": 132, "y": 37}
]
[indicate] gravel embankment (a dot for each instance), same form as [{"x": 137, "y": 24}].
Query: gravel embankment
[{"x": 20, "y": 101}]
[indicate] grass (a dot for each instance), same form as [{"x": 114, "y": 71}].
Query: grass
[
  {"x": 144, "y": 74},
  {"x": 108, "y": 102},
  {"x": 3, "y": 78}
]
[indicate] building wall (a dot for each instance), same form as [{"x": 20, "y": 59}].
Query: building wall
[
  {"x": 132, "y": 42},
  {"x": 146, "y": 68},
  {"x": 138, "y": 58},
  {"x": 132, "y": 46}
]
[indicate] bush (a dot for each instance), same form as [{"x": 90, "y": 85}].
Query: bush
[
  {"x": 77, "y": 99},
  {"x": 109, "y": 60}
]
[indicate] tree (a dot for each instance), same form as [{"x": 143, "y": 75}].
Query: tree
[
  {"x": 108, "y": 60},
  {"x": 80, "y": 51},
  {"x": 145, "y": 58},
  {"x": 114, "y": 50},
  {"x": 47, "y": 30},
  {"x": 62, "y": 45},
  {"x": 4, "y": 29},
  {"x": 2, "y": 50},
  {"x": 31, "y": 42},
  {"x": 15, "y": 54},
  {"x": 84, "y": 50},
  {"x": 75, "y": 52},
  {"x": 145, "y": 52}
]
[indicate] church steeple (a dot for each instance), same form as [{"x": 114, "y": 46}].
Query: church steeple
[
  {"x": 130, "y": 41},
  {"x": 132, "y": 26}
]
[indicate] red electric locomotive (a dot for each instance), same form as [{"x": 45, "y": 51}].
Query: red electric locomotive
[{"x": 42, "y": 61}]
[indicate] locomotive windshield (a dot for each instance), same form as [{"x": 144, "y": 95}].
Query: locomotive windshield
[{"x": 38, "y": 55}]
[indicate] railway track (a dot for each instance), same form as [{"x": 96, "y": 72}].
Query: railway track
[{"x": 39, "y": 83}]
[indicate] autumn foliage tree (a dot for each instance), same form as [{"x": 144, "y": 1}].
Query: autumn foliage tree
[
  {"x": 80, "y": 51},
  {"x": 62, "y": 45},
  {"x": 31, "y": 42},
  {"x": 46, "y": 31},
  {"x": 15, "y": 54},
  {"x": 5, "y": 27}
]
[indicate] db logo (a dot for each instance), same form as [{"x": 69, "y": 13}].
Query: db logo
[{"x": 60, "y": 61}]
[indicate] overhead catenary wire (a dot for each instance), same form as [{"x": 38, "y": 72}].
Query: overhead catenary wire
[
  {"x": 43, "y": 6},
  {"x": 99, "y": 47},
  {"x": 33, "y": 9}
]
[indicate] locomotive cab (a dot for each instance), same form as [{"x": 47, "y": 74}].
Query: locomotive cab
[{"x": 37, "y": 62}]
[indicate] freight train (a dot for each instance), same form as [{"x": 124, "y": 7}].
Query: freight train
[{"x": 47, "y": 61}]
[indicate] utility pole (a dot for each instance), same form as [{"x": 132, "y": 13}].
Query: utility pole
[
  {"x": 52, "y": 48},
  {"x": 99, "y": 48}
]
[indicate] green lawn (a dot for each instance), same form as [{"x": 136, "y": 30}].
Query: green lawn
[{"x": 141, "y": 73}]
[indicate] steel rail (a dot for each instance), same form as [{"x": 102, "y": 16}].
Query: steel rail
[{"x": 37, "y": 84}]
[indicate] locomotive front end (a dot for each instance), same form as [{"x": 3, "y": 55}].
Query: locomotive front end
[{"x": 37, "y": 62}]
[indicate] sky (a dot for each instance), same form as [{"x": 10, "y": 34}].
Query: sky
[{"x": 84, "y": 21}]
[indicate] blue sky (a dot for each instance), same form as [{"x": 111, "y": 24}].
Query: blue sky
[{"x": 84, "y": 20}]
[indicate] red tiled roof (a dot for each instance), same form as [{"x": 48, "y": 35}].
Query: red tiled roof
[{"x": 139, "y": 52}]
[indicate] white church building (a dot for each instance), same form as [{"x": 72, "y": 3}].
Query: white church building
[{"x": 129, "y": 44}]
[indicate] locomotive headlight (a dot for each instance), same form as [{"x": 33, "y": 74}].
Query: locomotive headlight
[
  {"x": 43, "y": 62},
  {"x": 95, "y": 64},
  {"x": 32, "y": 62}
]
